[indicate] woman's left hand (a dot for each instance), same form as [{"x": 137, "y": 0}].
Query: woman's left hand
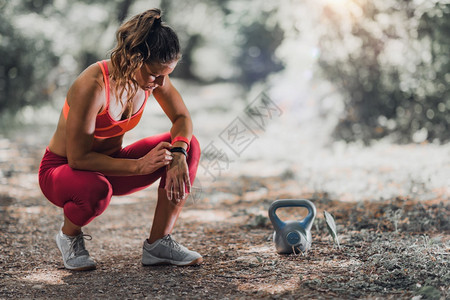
[{"x": 177, "y": 179}]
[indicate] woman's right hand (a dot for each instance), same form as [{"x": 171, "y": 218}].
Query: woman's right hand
[{"x": 158, "y": 157}]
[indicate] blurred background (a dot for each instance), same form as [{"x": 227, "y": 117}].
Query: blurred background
[{"x": 357, "y": 81}]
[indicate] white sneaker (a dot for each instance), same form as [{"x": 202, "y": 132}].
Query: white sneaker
[
  {"x": 168, "y": 251},
  {"x": 75, "y": 255}
]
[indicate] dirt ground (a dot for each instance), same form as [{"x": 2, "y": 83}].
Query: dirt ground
[{"x": 395, "y": 249}]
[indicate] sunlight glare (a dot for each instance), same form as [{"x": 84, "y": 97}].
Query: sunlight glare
[
  {"x": 46, "y": 277},
  {"x": 345, "y": 8},
  {"x": 336, "y": 2}
]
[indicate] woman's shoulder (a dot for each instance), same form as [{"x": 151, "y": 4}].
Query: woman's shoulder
[
  {"x": 92, "y": 73},
  {"x": 88, "y": 84},
  {"x": 90, "y": 78}
]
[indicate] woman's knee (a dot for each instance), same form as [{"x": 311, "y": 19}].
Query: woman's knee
[
  {"x": 100, "y": 193},
  {"x": 94, "y": 196},
  {"x": 194, "y": 148},
  {"x": 143, "y": 146}
]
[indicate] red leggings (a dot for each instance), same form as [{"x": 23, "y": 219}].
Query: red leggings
[{"x": 84, "y": 195}]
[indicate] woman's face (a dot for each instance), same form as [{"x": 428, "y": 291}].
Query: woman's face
[{"x": 152, "y": 75}]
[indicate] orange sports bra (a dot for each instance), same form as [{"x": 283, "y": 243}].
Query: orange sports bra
[{"x": 105, "y": 125}]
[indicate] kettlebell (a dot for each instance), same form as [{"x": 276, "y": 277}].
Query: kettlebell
[{"x": 291, "y": 236}]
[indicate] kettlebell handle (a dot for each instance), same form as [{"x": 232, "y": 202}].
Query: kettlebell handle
[{"x": 306, "y": 222}]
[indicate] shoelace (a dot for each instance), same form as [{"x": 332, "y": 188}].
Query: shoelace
[
  {"x": 77, "y": 245},
  {"x": 171, "y": 242}
]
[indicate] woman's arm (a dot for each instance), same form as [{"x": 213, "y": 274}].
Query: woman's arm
[
  {"x": 177, "y": 180},
  {"x": 86, "y": 99},
  {"x": 172, "y": 104}
]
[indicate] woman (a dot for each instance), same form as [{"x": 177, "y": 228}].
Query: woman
[{"x": 85, "y": 163}]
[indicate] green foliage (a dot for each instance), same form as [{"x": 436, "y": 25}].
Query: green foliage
[
  {"x": 24, "y": 66},
  {"x": 45, "y": 43},
  {"x": 226, "y": 40},
  {"x": 36, "y": 6},
  {"x": 257, "y": 56},
  {"x": 395, "y": 79}
]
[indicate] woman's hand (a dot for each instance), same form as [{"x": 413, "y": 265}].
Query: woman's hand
[
  {"x": 158, "y": 157},
  {"x": 177, "y": 179}
]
